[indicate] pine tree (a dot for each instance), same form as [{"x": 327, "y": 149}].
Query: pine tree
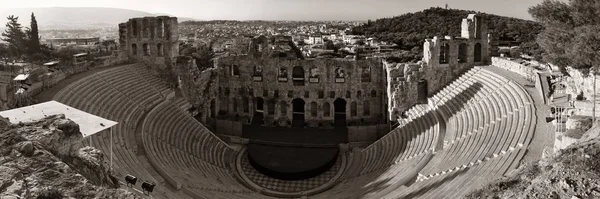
[
  {"x": 572, "y": 32},
  {"x": 14, "y": 35},
  {"x": 33, "y": 36}
]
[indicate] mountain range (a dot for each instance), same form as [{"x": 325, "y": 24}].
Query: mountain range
[{"x": 76, "y": 17}]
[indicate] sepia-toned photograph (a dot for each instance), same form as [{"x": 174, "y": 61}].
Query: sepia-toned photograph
[{"x": 307, "y": 99}]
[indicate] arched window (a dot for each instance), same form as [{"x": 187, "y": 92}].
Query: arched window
[
  {"x": 224, "y": 104},
  {"x": 146, "y": 48},
  {"x": 366, "y": 108},
  {"x": 462, "y": 53},
  {"x": 444, "y": 53},
  {"x": 348, "y": 95},
  {"x": 283, "y": 107},
  {"x": 313, "y": 109},
  {"x": 358, "y": 94},
  {"x": 134, "y": 49},
  {"x": 477, "y": 52},
  {"x": 373, "y": 93},
  {"x": 160, "y": 29},
  {"x": 134, "y": 27},
  {"x": 159, "y": 49},
  {"x": 353, "y": 111},
  {"x": 271, "y": 107},
  {"x": 246, "y": 104},
  {"x": 145, "y": 28},
  {"x": 326, "y": 110},
  {"x": 298, "y": 75}
]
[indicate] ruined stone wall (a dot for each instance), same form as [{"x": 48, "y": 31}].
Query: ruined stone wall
[
  {"x": 151, "y": 40},
  {"x": 444, "y": 59},
  {"x": 198, "y": 87},
  {"x": 248, "y": 79}
]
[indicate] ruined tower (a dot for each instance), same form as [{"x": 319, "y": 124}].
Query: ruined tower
[{"x": 152, "y": 40}]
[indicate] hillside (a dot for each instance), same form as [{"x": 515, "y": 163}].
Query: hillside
[
  {"x": 409, "y": 30},
  {"x": 573, "y": 173},
  {"x": 75, "y": 17},
  {"x": 46, "y": 159}
]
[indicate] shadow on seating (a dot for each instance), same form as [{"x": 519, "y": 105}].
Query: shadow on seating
[{"x": 361, "y": 190}]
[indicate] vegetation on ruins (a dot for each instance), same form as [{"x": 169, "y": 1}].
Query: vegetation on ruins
[
  {"x": 572, "y": 32},
  {"x": 23, "y": 43},
  {"x": 409, "y": 30}
]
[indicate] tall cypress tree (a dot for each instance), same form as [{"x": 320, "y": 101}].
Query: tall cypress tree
[{"x": 34, "y": 37}]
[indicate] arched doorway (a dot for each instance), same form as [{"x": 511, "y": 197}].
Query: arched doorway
[
  {"x": 422, "y": 91},
  {"x": 339, "y": 109},
  {"x": 298, "y": 112},
  {"x": 477, "y": 53}
]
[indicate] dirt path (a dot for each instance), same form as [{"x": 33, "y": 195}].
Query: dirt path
[{"x": 47, "y": 95}]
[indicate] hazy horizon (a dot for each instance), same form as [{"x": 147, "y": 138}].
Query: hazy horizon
[{"x": 301, "y": 10}]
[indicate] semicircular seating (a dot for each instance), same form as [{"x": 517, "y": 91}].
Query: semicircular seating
[
  {"x": 490, "y": 122},
  {"x": 472, "y": 131}
]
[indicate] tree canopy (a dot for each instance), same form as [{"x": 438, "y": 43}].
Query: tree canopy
[
  {"x": 409, "y": 30},
  {"x": 572, "y": 32}
]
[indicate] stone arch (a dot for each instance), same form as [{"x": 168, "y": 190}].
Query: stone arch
[
  {"x": 146, "y": 48},
  {"x": 353, "y": 109},
  {"x": 326, "y": 109},
  {"x": 339, "y": 111},
  {"x": 145, "y": 27},
  {"x": 463, "y": 52},
  {"x": 366, "y": 108},
  {"x": 134, "y": 49},
  {"x": 313, "y": 109},
  {"x": 259, "y": 104},
  {"x": 159, "y": 50},
  {"x": 477, "y": 53},
  {"x": 134, "y": 27},
  {"x": 444, "y": 53},
  {"x": 298, "y": 112},
  {"x": 160, "y": 28},
  {"x": 298, "y": 75}
]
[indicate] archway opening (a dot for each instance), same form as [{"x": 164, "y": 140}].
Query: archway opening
[
  {"x": 298, "y": 112},
  {"x": 422, "y": 91},
  {"x": 462, "y": 53},
  {"x": 339, "y": 109},
  {"x": 477, "y": 53},
  {"x": 260, "y": 104}
]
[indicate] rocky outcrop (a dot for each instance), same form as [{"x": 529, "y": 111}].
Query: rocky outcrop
[{"x": 47, "y": 157}]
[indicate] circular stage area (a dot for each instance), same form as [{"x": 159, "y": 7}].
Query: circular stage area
[
  {"x": 291, "y": 163},
  {"x": 312, "y": 178}
]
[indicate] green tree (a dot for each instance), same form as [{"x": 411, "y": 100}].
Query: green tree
[
  {"x": 572, "y": 32},
  {"x": 15, "y": 36},
  {"x": 33, "y": 37}
]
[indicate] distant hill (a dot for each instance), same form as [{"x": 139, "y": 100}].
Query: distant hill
[
  {"x": 74, "y": 17},
  {"x": 409, "y": 30}
]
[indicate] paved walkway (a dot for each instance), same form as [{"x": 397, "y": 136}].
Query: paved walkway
[{"x": 544, "y": 134}]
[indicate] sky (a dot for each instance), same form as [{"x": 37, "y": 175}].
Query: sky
[{"x": 290, "y": 9}]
